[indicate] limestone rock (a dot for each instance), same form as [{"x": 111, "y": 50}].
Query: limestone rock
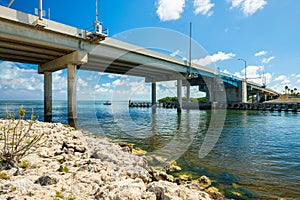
[
  {"x": 204, "y": 181},
  {"x": 166, "y": 191},
  {"x": 127, "y": 189},
  {"x": 47, "y": 180}
]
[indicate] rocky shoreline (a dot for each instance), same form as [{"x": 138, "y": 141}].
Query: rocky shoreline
[{"x": 68, "y": 164}]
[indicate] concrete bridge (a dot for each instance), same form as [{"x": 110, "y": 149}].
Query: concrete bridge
[{"x": 54, "y": 46}]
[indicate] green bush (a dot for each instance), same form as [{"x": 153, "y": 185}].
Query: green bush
[{"x": 17, "y": 138}]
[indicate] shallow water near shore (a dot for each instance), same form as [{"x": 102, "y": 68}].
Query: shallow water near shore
[{"x": 256, "y": 156}]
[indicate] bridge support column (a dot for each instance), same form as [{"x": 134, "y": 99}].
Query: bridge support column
[
  {"x": 188, "y": 93},
  {"x": 179, "y": 95},
  {"x": 257, "y": 97},
  {"x": 244, "y": 91},
  {"x": 153, "y": 97},
  {"x": 72, "y": 97},
  {"x": 48, "y": 96}
]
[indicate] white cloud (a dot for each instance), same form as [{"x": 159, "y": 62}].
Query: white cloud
[
  {"x": 280, "y": 78},
  {"x": 261, "y": 53},
  {"x": 267, "y": 60},
  {"x": 175, "y": 53},
  {"x": 82, "y": 83},
  {"x": 225, "y": 71},
  {"x": 203, "y": 7},
  {"x": 249, "y": 7},
  {"x": 106, "y": 84},
  {"x": 220, "y": 56},
  {"x": 17, "y": 77},
  {"x": 170, "y": 9},
  {"x": 298, "y": 75}
]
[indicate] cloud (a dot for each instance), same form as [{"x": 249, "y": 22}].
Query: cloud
[
  {"x": 170, "y": 9},
  {"x": 106, "y": 84},
  {"x": 249, "y": 7},
  {"x": 203, "y": 7},
  {"x": 281, "y": 78},
  {"x": 267, "y": 60},
  {"x": 16, "y": 77},
  {"x": 175, "y": 53},
  {"x": 220, "y": 56},
  {"x": 261, "y": 53}
]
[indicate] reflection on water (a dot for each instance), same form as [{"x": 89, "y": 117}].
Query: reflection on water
[{"x": 257, "y": 153}]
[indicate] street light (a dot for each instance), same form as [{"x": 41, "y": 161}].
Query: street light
[{"x": 245, "y": 67}]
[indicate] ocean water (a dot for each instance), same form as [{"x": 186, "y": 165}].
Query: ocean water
[{"x": 254, "y": 154}]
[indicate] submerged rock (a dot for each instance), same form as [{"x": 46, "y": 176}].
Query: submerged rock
[{"x": 204, "y": 181}]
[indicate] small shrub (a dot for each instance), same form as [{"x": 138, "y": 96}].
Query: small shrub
[
  {"x": 65, "y": 169},
  {"x": 61, "y": 160},
  {"x": 59, "y": 195},
  {"x": 4, "y": 176},
  {"x": 24, "y": 164},
  {"x": 17, "y": 138},
  {"x": 71, "y": 197}
]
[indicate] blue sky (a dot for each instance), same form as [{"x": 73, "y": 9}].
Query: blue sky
[{"x": 265, "y": 33}]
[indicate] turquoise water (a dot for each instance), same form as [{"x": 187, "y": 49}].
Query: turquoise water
[{"x": 257, "y": 154}]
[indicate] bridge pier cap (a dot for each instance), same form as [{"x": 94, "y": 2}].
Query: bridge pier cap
[{"x": 142, "y": 53}]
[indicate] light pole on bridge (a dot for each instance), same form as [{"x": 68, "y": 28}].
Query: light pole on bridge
[
  {"x": 245, "y": 67},
  {"x": 244, "y": 84}
]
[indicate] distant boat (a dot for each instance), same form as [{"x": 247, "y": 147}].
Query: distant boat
[{"x": 107, "y": 103}]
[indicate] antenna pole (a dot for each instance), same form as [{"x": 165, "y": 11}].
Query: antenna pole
[
  {"x": 41, "y": 9},
  {"x": 190, "y": 56},
  {"x": 10, "y": 3},
  {"x": 96, "y": 10}
]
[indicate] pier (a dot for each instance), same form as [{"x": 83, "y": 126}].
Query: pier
[{"x": 286, "y": 107}]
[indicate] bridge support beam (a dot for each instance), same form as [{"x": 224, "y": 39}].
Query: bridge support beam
[
  {"x": 244, "y": 91},
  {"x": 153, "y": 97},
  {"x": 179, "y": 95},
  {"x": 72, "y": 96},
  {"x": 48, "y": 96}
]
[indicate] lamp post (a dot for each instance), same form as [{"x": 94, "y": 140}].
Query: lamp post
[
  {"x": 244, "y": 84},
  {"x": 245, "y": 67}
]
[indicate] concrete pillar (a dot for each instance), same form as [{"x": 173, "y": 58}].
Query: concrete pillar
[
  {"x": 72, "y": 97},
  {"x": 266, "y": 97},
  {"x": 48, "y": 96},
  {"x": 153, "y": 97},
  {"x": 244, "y": 91},
  {"x": 207, "y": 93},
  {"x": 179, "y": 94},
  {"x": 257, "y": 97},
  {"x": 252, "y": 98},
  {"x": 188, "y": 93}
]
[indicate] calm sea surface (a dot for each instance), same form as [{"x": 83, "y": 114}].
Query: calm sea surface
[{"x": 256, "y": 154}]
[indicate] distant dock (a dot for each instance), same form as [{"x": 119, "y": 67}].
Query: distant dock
[{"x": 272, "y": 106}]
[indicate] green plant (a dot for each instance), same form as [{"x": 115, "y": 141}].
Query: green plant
[
  {"x": 65, "y": 169},
  {"x": 61, "y": 160},
  {"x": 24, "y": 164},
  {"x": 17, "y": 138},
  {"x": 71, "y": 197},
  {"x": 59, "y": 195},
  {"x": 4, "y": 176}
]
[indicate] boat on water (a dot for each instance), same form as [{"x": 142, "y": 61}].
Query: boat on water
[{"x": 107, "y": 103}]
